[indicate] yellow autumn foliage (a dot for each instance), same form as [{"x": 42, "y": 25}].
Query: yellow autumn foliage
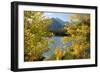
[
  {"x": 58, "y": 53},
  {"x": 79, "y": 31},
  {"x": 35, "y": 30}
]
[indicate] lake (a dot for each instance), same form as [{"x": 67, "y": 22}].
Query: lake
[{"x": 55, "y": 42}]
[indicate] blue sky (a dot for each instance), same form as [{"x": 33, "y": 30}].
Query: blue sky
[{"x": 62, "y": 16}]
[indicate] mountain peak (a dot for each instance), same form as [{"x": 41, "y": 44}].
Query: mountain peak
[
  {"x": 58, "y": 20},
  {"x": 57, "y": 24}
]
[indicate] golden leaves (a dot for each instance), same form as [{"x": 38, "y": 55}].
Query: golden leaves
[
  {"x": 35, "y": 42},
  {"x": 58, "y": 53},
  {"x": 80, "y": 32}
]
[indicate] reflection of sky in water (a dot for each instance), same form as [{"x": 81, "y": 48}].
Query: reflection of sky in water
[{"x": 56, "y": 44}]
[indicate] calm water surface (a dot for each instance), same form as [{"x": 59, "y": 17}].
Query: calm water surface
[{"x": 54, "y": 43}]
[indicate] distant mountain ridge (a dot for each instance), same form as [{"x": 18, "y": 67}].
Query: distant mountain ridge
[{"x": 57, "y": 24}]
